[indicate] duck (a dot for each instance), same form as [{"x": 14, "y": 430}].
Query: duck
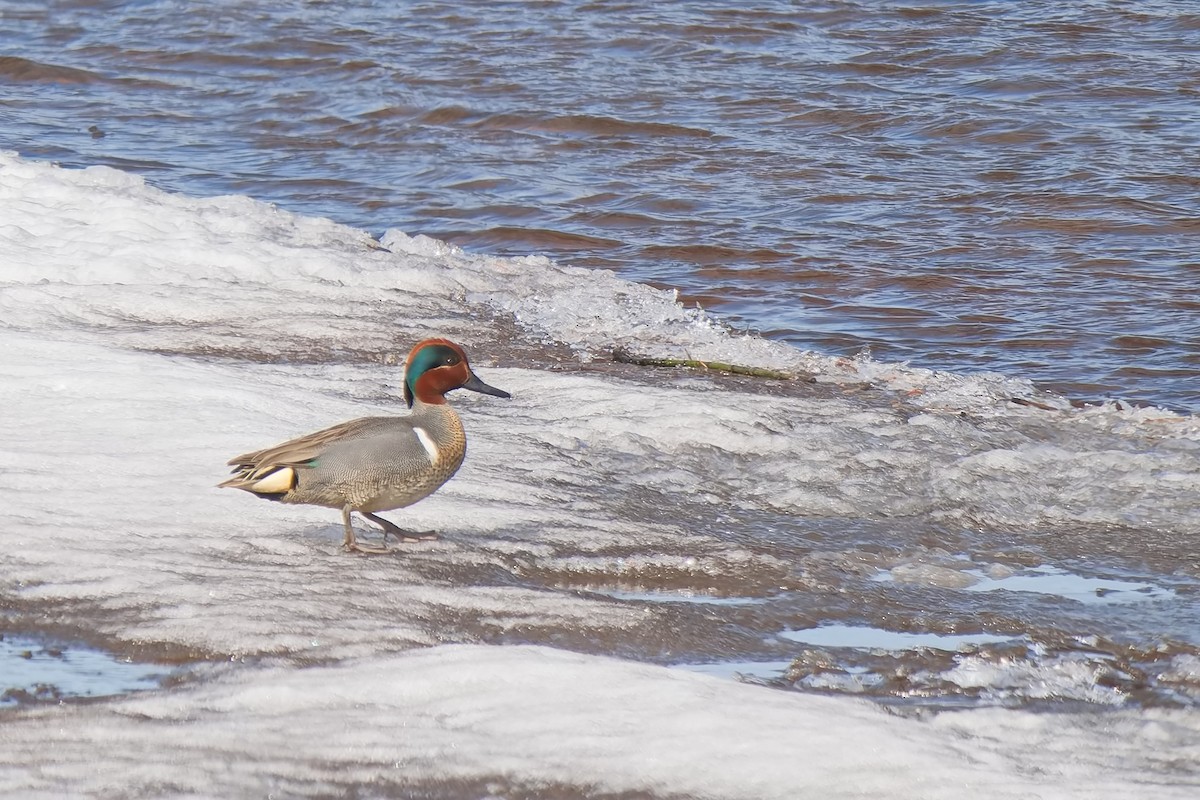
[{"x": 374, "y": 464}]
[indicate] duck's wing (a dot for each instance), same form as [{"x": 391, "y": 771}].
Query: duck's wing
[{"x": 272, "y": 469}]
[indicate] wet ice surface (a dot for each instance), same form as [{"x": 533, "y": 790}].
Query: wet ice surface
[
  {"x": 1054, "y": 581},
  {"x": 876, "y": 639},
  {"x": 469, "y": 721},
  {"x": 679, "y": 521},
  {"x": 35, "y": 670}
]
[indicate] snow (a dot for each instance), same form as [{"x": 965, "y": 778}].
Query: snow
[
  {"x": 529, "y": 719},
  {"x": 148, "y": 337},
  {"x": 1066, "y": 677}
]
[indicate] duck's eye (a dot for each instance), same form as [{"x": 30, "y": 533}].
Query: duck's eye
[{"x": 450, "y": 360}]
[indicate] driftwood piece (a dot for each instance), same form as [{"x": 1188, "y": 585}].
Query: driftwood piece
[{"x": 625, "y": 357}]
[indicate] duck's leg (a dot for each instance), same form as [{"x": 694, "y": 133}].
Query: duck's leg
[
  {"x": 400, "y": 534},
  {"x": 351, "y": 544}
]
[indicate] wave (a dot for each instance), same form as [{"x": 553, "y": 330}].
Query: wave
[
  {"x": 99, "y": 253},
  {"x": 148, "y": 335}
]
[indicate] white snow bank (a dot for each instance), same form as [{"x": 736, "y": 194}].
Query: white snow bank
[
  {"x": 529, "y": 720},
  {"x": 110, "y": 449}
]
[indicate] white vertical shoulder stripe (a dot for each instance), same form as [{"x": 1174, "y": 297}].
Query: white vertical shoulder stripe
[{"x": 427, "y": 443}]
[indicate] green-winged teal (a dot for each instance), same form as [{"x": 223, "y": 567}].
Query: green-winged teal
[{"x": 375, "y": 463}]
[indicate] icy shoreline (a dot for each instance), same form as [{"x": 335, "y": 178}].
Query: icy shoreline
[{"x": 147, "y": 337}]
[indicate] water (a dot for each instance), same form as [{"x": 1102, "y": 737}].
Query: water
[
  {"x": 625, "y": 548},
  {"x": 873, "y": 638},
  {"x": 965, "y": 186},
  {"x": 616, "y": 529},
  {"x": 32, "y": 670}
]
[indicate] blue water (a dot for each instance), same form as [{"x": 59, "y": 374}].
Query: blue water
[
  {"x": 965, "y": 186},
  {"x": 33, "y": 669}
]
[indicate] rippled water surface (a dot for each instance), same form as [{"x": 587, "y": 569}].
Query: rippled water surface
[
  {"x": 966, "y": 550},
  {"x": 993, "y": 185}
]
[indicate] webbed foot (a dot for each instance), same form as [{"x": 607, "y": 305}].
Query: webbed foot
[
  {"x": 350, "y": 543},
  {"x": 366, "y": 549},
  {"x": 401, "y": 534}
]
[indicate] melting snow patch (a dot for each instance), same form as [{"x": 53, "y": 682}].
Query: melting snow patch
[
  {"x": 866, "y": 638},
  {"x": 35, "y": 670},
  {"x": 1052, "y": 580},
  {"x": 1046, "y": 579}
]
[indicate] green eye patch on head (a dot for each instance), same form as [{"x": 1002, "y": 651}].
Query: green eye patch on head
[{"x": 427, "y": 358}]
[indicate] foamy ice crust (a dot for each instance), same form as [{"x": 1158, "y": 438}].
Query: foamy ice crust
[{"x": 334, "y": 680}]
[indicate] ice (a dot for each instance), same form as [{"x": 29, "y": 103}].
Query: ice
[
  {"x": 1081, "y": 744},
  {"x": 932, "y": 575},
  {"x": 115, "y": 460},
  {"x": 867, "y": 638},
  {"x": 247, "y": 280},
  {"x": 44, "y": 670},
  {"x": 1184, "y": 675},
  {"x": 856, "y": 681},
  {"x": 148, "y": 337},
  {"x": 452, "y": 720},
  {"x": 681, "y": 596},
  {"x": 1048, "y": 579},
  {"x": 1059, "y": 483},
  {"x": 1064, "y": 678},
  {"x": 962, "y": 573}
]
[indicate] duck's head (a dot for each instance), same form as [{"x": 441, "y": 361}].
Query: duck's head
[{"x": 437, "y": 366}]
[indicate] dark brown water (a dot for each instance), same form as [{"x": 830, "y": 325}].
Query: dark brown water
[{"x": 967, "y": 186}]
